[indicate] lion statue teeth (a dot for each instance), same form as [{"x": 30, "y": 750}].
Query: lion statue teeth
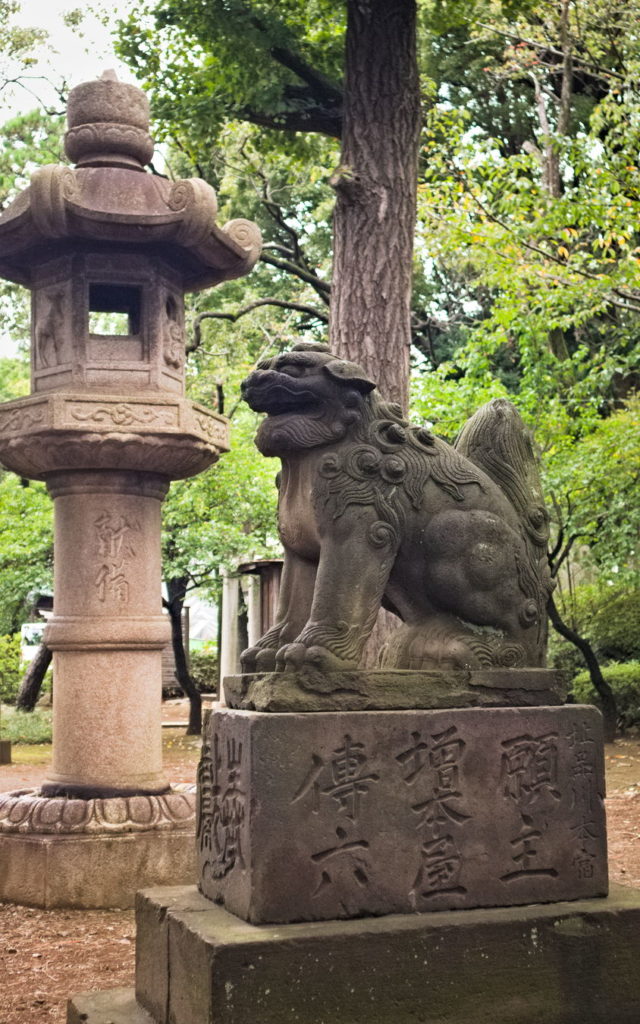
[{"x": 376, "y": 512}]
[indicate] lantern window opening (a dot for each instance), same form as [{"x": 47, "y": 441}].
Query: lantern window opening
[{"x": 114, "y": 310}]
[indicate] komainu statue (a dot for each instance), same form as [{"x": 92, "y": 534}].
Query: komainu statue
[{"x": 374, "y": 511}]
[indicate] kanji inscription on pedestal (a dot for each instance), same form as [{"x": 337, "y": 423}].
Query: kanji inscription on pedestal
[{"x": 313, "y": 817}]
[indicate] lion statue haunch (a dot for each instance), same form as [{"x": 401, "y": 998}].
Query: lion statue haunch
[{"x": 374, "y": 511}]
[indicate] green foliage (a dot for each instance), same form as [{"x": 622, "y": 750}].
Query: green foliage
[
  {"x": 624, "y": 680},
  {"x": 607, "y": 615},
  {"x": 614, "y": 618},
  {"x": 18, "y": 43},
  {"x": 228, "y": 513},
  {"x": 10, "y": 667},
  {"x": 208, "y": 63},
  {"x": 25, "y": 726},
  {"x": 204, "y": 669},
  {"x": 28, "y": 141},
  {"x": 593, "y": 483},
  {"x": 224, "y": 515},
  {"x": 26, "y": 547}
]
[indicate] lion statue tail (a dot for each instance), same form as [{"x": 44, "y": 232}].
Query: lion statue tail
[{"x": 497, "y": 441}]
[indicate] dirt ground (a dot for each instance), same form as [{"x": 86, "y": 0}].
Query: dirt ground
[{"x": 47, "y": 955}]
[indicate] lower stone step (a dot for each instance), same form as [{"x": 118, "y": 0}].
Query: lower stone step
[
  {"x": 561, "y": 963},
  {"x": 118, "y": 1006}
]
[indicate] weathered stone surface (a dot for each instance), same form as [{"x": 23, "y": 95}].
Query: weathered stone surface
[
  {"x": 153, "y": 907},
  {"x": 311, "y": 690},
  {"x": 92, "y": 871},
  {"x": 28, "y": 812},
  {"x": 561, "y": 963},
  {"x": 373, "y": 511},
  {"x": 117, "y": 1006},
  {"x": 107, "y": 197},
  {"x": 172, "y": 437},
  {"x": 344, "y": 814}
]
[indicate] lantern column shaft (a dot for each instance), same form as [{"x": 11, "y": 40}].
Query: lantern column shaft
[{"x": 107, "y": 634}]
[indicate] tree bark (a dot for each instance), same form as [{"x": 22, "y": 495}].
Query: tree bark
[
  {"x": 176, "y": 593},
  {"x": 32, "y": 680},
  {"x": 609, "y": 710},
  {"x": 375, "y": 211}
]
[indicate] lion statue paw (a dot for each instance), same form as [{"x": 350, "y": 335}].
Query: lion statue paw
[{"x": 295, "y": 656}]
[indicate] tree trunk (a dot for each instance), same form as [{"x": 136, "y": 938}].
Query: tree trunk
[
  {"x": 176, "y": 591},
  {"x": 609, "y": 710},
  {"x": 375, "y": 211},
  {"x": 32, "y": 681}
]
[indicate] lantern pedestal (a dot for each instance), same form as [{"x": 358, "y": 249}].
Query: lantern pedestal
[{"x": 92, "y": 854}]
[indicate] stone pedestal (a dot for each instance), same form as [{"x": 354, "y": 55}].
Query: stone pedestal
[
  {"x": 562, "y": 963},
  {"x": 306, "y": 817},
  {"x": 86, "y": 853}
]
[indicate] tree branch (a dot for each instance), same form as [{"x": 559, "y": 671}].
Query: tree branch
[
  {"x": 609, "y": 710},
  {"x": 593, "y": 69},
  {"x": 320, "y": 84},
  {"x": 630, "y": 303},
  {"x": 323, "y": 288},
  {"x": 311, "y": 119},
  {"x": 300, "y": 307}
]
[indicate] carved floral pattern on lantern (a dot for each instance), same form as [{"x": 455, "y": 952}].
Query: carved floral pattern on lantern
[
  {"x": 115, "y": 553},
  {"x": 173, "y": 347},
  {"x": 123, "y": 414},
  {"x": 22, "y": 419},
  {"x": 168, "y": 455},
  {"x": 28, "y": 811},
  {"x": 214, "y": 429}
]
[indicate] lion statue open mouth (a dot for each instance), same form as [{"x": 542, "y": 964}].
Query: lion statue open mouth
[{"x": 374, "y": 511}]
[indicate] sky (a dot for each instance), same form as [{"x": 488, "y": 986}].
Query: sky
[{"x": 67, "y": 54}]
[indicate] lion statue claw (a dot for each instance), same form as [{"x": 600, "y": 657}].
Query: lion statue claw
[{"x": 376, "y": 512}]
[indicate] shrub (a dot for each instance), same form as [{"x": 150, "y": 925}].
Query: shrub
[
  {"x": 204, "y": 669},
  {"x": 607, "y": 616},
  {"x": 10, "y": 667},
  {"x": 624, "y": 680},
  {"x": 25, "y": 726},
  {"x": 615, "y": 614}
]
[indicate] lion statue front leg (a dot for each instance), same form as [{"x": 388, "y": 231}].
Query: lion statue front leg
[
  {"x": 294, "y": 607},
  {"x": 348, "y": 590}
]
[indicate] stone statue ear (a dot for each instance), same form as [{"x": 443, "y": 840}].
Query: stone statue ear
[{"x": 350, "y": 374}]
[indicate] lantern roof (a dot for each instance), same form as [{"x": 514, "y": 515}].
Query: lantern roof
[{"x": 108, "y": 201}]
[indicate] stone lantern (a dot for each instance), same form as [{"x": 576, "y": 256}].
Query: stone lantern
[{"x": 108, "y": 252}]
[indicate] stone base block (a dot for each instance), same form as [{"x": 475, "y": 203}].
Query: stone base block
[
  {"x": 561, "y": 963},
  {"x": 394, "y": 689},
  {"x": 5, "y": 751},
  {"x": 330, "y": 815},
  {"x": 91, "y": 871}
]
